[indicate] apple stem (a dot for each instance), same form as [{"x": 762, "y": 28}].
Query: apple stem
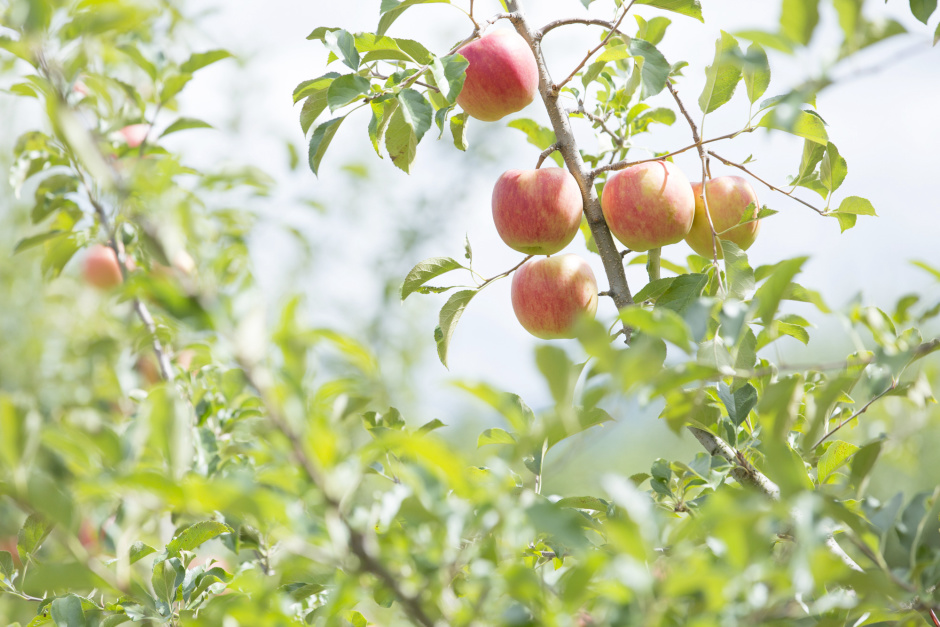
[{"x": 546, "y": 153}]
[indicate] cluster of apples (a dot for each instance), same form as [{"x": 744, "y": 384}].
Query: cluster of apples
[{"x": 538, "y": 212}]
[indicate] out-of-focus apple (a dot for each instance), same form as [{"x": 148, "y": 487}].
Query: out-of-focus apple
[
  {"x": 134, "y": 134},
  {"x": 728, "y": 199},
  {"x": 101, "y": 267},
  {"x": 9, "y": 544},
  {"x": 502, "y": 77},
  {"x": 537, "y": 212},
  {"x": 648, "y": 205},
  {"x": 550, "y": 294}
]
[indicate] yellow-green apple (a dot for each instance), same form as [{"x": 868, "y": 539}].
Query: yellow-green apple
[
  {"x": 728, "y": 199},
  {"x": 101, "y": 267},
  {"x": 550, "y": 294},
  {"x": 648, "y": 205},
  {"x": 502, "y": 77},
  {"x": 537, "y": 212}
]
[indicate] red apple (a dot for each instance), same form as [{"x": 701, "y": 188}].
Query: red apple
[
  {"x": 728, "y": 200},
  {"x": 549, "y": 294},
  {"x": 135, "y": 134},
  {"x": 648, "y": 205},
  {"x": 537, "y": 212},
  {"x": 101, "y": 267},
  {"x": 502, "y": 77}
]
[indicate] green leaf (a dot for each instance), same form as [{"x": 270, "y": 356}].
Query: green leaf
[
  {"x": 756, "y": 72},
  {"x": 738, "y": 270},
  {"x": 195, "y": 535},
  {"x": 320, "y": 141},
  {"x": 832, "y": 169},
  {"x": 6, "y": 565},
  {"x": 652, "y": 31},
  {"x": 347, "y": 89},
  {"x": 768, "y": 40},
  {"x": 343, "y": 45},
  {"x": 856, "y": 205},
  {"x": 837, "y": 454},
  {"x": 923, "y": 9},
  {"x": 538, "y": 135},
  {"x": 183, "y": 124},
  {"x": 173, "y": 85},
  {"x": 769, "y": 295},
  {"x": 315, "y": 86},
  {"x": 691, "y": 8},
  {"x": 923, "y": 265},
  {"x": 140, "y": 61},
  {"x": 200, "y": 60},
  {"x": 659, "y": 322},
  {"x": 738, "y": 403},
  {"x": 67, "y": 612},
  {"x": 798, "y": 19},
  {"x": 584, "y": 502},
  {"x": 936, "y": 35},
  {"x": 653, "y": 290},
  {"x": 425, "y": 271},
  {"x": 802, "y": 124},
  {"x": 864, "y": 461},
  {"x": 410, "y": 121},
  {"x": 450, "y": 315},
  {"x": 449, "y": 75},
  {"x": 138, "y": 551},
  {"x": 684, "y": 290},
  {"x": 458, "y": 129},
  {"x": 723, "y": 75},
  {"x": 166, "y": 579},
  {"x": 389, "y": 49},
  {"x": 32, "y": 534},
  {"x": 35, "y": 240},
  {"x": 510, "y": 406},
  {"x": 654, "y": 69},
  {"x": 382, "y": 111},
  {"x": 495, "y": 436},
  {"x": 390, "y": 10}
]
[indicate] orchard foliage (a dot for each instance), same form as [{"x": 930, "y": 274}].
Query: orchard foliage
[{"x": 167, "y": 458}]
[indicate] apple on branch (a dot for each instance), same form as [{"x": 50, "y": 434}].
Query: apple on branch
[
  {"x": 648, "y": 205},
  {"x": 728, "y": 200},
  {"x": 101, "y": 267},
  {"x": 537, "y": 212},
  {"x": 502, "y": 77},
  {"x": 550, "y": 294}
]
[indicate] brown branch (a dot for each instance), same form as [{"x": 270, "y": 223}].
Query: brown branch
[
  {"x": 743, "y": 472},
  {"x": 577, "y": 20},
  {"x": 557, "y": 88},
  {"x": 601, "y": 122},
  {"x": 621, "y": 165},
  {"x": 759, "y": 179},
  {"x": 864, "y": 408},
  {"x": 545, "y": 155},
  {"x": 561, "y": 124},
  {"x": 357, "y": 541},
  {"x": 504, "y": 274}
]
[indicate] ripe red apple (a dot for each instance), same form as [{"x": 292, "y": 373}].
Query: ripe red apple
[
  {"x": 502, "y": 77},
  {"x": 135, "y": 134},
  {"x": 101, "y": 267},
  {"x": 648, "y": 205},
  {"x": 537, "y": 212},
  {"x": 549, "y": 294},
  {"x": 728, "y": 200}
]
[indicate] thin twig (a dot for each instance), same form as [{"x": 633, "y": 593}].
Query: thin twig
[
  {"x": 545, "y": 154},
  {"x": 759, "y": 179},
  {"x": 828, "y": 434},
  {"x": 557, "y": 87},
  {"x": 504, "y": 274},
  {"x": 621, "y": 165},
  {"x": 601, "y": 122},
  {"x": 577, "y": 20}
]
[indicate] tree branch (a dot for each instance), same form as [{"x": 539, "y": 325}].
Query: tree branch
[
  {"x": 577, "y": 20},
  {"x": 759, "y": 179},
  {"x": 622, "y": 165},
  {"x": 557, "y": 88},
  {"x": 864, "y": 408},
  {"x": 610, "y": 256},
  {"x": 546, "y": 154}
]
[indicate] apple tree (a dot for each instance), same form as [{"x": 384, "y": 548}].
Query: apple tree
[{"x": 168, "y": 457}]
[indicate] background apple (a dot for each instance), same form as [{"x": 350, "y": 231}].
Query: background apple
[
  {"x": 648, "y": 205},
  {"x": 502, "y": 77},
  {"x": 101, "y": 267},
  {"x": 135, "y": 134},
  {"x": 537, "y": 212},
  {"x": 549, "y": 294},
  {"x": 728, "y": 200}
]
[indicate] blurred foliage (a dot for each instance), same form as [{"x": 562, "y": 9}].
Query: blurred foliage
[{"x": 269, "y": 482}]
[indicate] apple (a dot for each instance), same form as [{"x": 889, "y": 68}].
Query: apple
[
  {"x": 502, "y": 77},
  {"x": 135, "y": 134},
  {"x": 728, "y": 200},
  {"x": 549, "y": 294},
  {"x": 648, "y": 205},
  {"x": 537, "y": 212},
  {"x": 101, "y": 267}
]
